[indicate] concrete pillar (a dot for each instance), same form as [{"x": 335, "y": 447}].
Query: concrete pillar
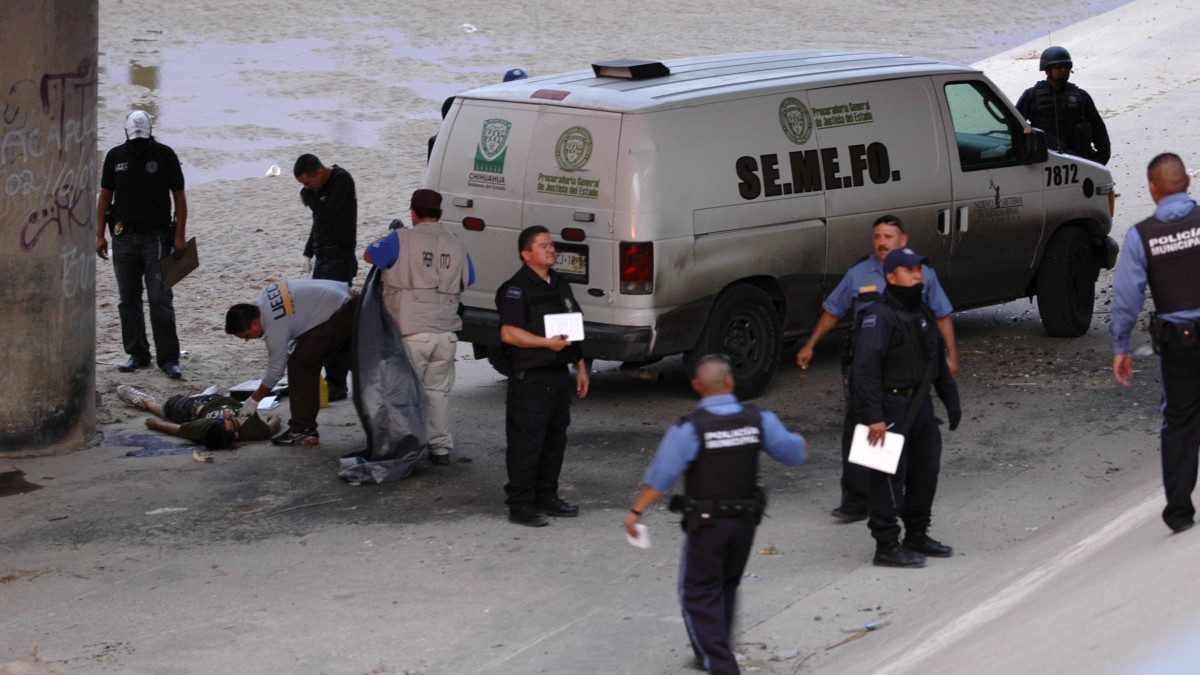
[{"x": 48, "y": 185}]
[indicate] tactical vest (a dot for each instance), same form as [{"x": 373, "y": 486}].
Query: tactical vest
[
  {"x": 542, "y": 299},
  {"x": 1172, "y": 256},
  {"x": 727, "y": 464},
  {"x": 1060, "y": 115},
  {"x": 914, "y": 343},
  {"x": 422, "y": 289}
]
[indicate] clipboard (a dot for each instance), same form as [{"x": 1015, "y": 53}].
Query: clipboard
[
  {"x": 173, "y": 270},
  {"x": 569, "y": 324},
  {"x": 883, "y": 458}
]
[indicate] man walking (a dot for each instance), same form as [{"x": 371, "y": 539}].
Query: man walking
[
  {"x": 424, "y": 271},
  {"x": 329, "y": 192},
  {"x": 1164, "y": 251},
  {"x": 307, "y": 324},
  {"x": 140, "y": 181},
  {"x": 538, "y": 405},
  {"x": 861, "y": 286},
  {"x": 898, "y": 354},
  {"x": 716, "y": 447}
]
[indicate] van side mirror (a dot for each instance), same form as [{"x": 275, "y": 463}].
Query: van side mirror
[{"x": 1034, "y": 148}]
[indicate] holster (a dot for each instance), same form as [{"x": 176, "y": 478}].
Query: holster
[
  {"x": 1163, "y": 332},
  {"x": 700, "y": 513}
]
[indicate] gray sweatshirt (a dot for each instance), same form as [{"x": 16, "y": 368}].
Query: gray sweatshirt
[{"x": 290, "y": 309}]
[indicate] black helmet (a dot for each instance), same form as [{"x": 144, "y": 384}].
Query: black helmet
[{"x": 1055, "y": 56}]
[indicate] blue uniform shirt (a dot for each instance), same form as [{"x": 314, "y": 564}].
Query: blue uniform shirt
[
  {"x": 681, "y": 443},
  {"x": 866, "y": 276},
  {"x": 1129, "y": 286},
  {"x": 386, "y": 252}
]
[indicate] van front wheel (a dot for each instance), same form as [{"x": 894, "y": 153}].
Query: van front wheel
[
  {"x": 1066, "y": 284},
  {"x": 745, "y": 327}
]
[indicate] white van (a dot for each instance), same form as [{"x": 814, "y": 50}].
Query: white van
[{"x": 708, "y": 204}]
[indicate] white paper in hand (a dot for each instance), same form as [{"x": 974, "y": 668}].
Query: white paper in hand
[
  {"x": 569, "y": 324},
  {"x": 643, "y": 538},
  {"x": 883, "y": 458}
]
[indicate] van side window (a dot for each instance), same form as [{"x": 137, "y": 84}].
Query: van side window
[{"x": 983, "y": 127}]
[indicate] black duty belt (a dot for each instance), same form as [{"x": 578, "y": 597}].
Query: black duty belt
[{"x": 901, "y": 391}]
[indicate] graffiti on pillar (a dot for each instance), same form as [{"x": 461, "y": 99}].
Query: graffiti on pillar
[{"x": 48, "y": 153}]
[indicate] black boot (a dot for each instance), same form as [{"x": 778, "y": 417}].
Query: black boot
[
  {"x": 892, "y": 554},
  {"x": 923, "y": 544}
]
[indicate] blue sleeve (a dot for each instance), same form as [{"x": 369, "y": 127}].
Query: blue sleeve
[
  {"x": 935, "y": 297},
  {"x": 782, "y": 445},
  {"x": 386, "y": 251},
  {"x": 1129, "y": 291},
  {"x": 842, "y": 298},
  {"x": 675, "y": 454}
]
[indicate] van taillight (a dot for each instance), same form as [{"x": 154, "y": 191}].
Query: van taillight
[
  {"x": 637, "y": 267},
  {"x": 474, "y": 224}
]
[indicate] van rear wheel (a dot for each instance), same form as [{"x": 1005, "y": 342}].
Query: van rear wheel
[
  {"x": 745, "y": 327},
  {"x": 1066, "y": 284}
]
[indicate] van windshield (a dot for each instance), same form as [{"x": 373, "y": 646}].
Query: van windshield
[{"x": 983, "y": 127}]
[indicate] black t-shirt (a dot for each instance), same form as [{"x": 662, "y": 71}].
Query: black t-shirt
[{"x": 142, "y": 183}]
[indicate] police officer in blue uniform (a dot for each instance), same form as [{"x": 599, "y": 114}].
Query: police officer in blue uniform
[
  {"x": 538, "y": 406},
  {"x": 898, "y": 354},
  {"x": 861, "y": 286},
  {"x": 716, "y": 448},
  {"x": 1164, "y": 251}
]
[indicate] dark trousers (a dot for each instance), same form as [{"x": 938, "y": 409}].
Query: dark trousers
[
  {"x": 335, "y": 268},
  {"x": 1180, "y": 435},
  {"x": 856, "y": 479},
  {"x": 536, "y": 418},
  {"x": 329, "y": 342},
  {"x": 909, "y": 493},
  {"x": 135, "y": 257},
  {"x": 714, "y": 558}
]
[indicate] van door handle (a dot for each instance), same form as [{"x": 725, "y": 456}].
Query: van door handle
[
  {"x": 943, "y": 222},
  {"x": 963, "y": 213}
]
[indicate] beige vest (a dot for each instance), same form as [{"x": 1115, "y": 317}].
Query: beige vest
[{"x": 421, "y": 290}]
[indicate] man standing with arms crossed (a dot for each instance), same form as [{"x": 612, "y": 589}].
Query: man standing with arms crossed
[
  {"x": 717, "y": 448},
  {"x": 862, "y": 285},
  {"x": 425, "y": 270},
  {"x": 1164, "y": 251},
  {"x": 538, "y": 405},
  {"x": 330, "y": 194},
  {"x": 140, "y": 180}
]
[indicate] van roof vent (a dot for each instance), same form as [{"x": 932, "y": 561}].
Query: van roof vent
[{"x": 631, "y": 69}]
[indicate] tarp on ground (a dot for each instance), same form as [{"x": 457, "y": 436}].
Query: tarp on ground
[{"x": 388, "y": 396}]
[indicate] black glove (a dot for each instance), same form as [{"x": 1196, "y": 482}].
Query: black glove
[{"x": 955, "y": 415}]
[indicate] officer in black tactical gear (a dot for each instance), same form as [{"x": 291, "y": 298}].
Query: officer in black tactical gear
[
  {"x": 1065, "y": 112},
  {"x": 716, "y": 447},
  {"x": 538, "y": 406},
  {"x": 899, "y": 353},
  {"x": 1164, "y": 252}
]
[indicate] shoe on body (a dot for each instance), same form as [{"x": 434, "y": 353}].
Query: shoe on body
[
  {"x": 893, "y": 554},
  {"x": 133, "y": 397}
]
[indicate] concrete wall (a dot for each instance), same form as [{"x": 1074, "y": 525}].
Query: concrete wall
[{"x": 48, "y": 184}]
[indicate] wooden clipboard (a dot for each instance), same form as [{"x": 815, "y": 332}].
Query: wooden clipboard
[{"x": 174, "y": 270}]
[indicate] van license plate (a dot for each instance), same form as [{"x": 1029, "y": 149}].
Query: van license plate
[{"x": 572, "y": 261}]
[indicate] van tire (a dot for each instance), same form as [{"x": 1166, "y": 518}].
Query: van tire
[
  {"x": 743, "y": 325},
  {"x": 1066, "y": 284}
]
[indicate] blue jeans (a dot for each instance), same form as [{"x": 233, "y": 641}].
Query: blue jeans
[{"x": 135, "y": 257}]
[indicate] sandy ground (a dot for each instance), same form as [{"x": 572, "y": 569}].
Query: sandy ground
[{"x": 238, "y": 86}]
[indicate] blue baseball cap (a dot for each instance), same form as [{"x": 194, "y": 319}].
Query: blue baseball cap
[
  {"x": 515, "y": 74},
  {"x": 902, "y": 257}
]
